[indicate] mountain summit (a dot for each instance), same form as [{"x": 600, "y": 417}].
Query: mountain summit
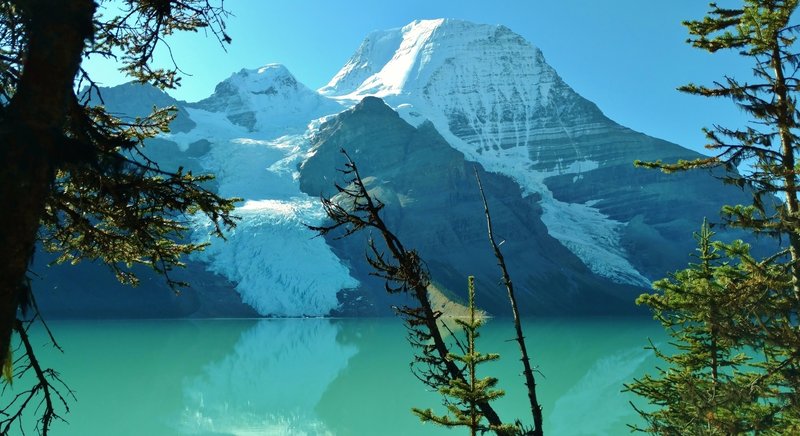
[
  {"x": 267, "y": 99},
  {"x": 428, "y": 56},
  {"x": 493, "y": 96}
]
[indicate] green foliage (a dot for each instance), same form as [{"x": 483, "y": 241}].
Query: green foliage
[
  {"x": 127, "y": 211},
  {"x": 709, "y": 385},
  {"x": 732, "y": 305},
  {"x": 108, "y": 200},
  {"x": 762, "y": 32},
  {"x": 136, "y": 31},
  {"x": 462, "y": 396}
]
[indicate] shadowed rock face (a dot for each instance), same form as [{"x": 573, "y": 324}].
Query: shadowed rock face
[
  {"x": 433, "y": 204},
  {"x": 90, "y": 291}
]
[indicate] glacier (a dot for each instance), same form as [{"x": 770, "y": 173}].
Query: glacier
[{"x": 255, "y": 162}]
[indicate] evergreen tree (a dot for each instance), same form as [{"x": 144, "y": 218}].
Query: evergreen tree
[
  {"x": 462, "y": 396},
  {"x": 354, "y": 209},
  {"x": 759, "y": 311},
  {"x": 708, "y": 384},
  {"x": 761, "y": 32}
]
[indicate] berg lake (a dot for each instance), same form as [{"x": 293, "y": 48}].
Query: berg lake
[{"x": 328, "y": 376}]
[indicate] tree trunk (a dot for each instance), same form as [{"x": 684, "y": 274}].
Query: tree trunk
[
  {"x": 785, "y": 121},
  {"x": 31, "y": 133},
  {"x": 530, "y": 380}
]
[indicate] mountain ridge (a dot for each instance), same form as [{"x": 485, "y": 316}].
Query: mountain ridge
[{"x": 556, "y": 161}]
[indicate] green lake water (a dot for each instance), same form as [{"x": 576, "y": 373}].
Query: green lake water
[{"x": 327, "y": 376}]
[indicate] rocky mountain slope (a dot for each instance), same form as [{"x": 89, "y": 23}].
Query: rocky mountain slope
[{"x": 418, "y": 108}]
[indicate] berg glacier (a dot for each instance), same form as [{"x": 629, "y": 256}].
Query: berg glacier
[
  {"x": 255, "y": 124},
  {"x": 249, "y": 133}
]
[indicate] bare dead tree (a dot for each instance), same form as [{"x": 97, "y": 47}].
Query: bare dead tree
[
  {"x": 530, "y": 381},
  {"x": 353, "y": 209},
  {"x": 48, "y": 395}
]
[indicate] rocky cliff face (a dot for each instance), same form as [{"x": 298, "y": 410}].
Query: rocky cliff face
[
  {"x": 433, "y": 204},
  {"x": 418, "y": 108}
]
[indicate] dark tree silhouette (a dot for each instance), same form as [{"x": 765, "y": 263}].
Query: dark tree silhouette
[
  {"x": 527, "y": 370},
  {"x": 353, "y": 209},
  {"x": 73, "y": 175}
]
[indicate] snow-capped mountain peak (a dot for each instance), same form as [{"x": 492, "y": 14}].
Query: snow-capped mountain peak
[
  {"x": 267, "y": 99},
  {"x": 424, "y": 53},
  {"x": 390, "y": 58},
  {"x": 574, "y": 210},
  {"x": 494, "y": 98},
  {"x": 271, "y": 79}
]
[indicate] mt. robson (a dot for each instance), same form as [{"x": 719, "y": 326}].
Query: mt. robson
[{"x": 417, "y": 108}]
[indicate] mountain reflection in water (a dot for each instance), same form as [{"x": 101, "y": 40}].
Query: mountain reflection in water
[{"x": 327, "y": 376}]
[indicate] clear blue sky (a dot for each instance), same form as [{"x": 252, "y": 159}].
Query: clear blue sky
[{"x": 627, "y": 56}]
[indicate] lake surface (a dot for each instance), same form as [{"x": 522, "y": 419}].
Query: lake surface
[{"x": 327, "y": 376}]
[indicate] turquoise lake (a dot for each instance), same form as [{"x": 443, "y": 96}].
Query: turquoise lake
[{"x": 328, "y": 376}]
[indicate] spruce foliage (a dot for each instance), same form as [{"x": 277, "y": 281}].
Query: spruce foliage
[
  {"x": 761, "y": 32},
  {"x": 77, "y": 178},
  {"x": 708, "y": 385},
  {"x": 462, "y": 396},
  {"x": 743, "y": 304}
]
